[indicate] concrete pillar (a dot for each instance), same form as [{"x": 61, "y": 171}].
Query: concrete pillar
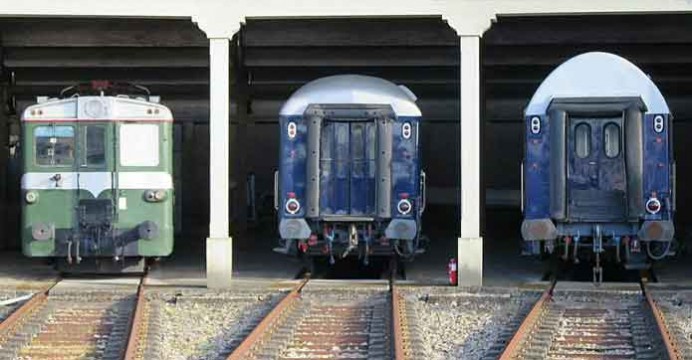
[
  {"x": 470, "y": 243},
  {"x": 219, "y": 242}
]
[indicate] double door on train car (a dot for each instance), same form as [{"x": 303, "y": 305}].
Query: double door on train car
[
  {"x": 348, "y": 168},
  {"x": 596, "y": 175}
]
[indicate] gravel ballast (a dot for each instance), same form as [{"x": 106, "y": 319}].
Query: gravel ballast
[
  {"x": 467, "y": 325},
  {"x": 677, "y": 310},
  {"x": 204, "y": 325}
]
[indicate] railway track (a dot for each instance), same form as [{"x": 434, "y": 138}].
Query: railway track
[
  {"x": 331, "y": 324},
  {"x": 583, "y": 324},
  {"x": 88, "y": 324}
]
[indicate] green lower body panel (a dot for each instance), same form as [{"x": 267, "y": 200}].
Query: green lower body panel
[{"x": 110, "y": 226}]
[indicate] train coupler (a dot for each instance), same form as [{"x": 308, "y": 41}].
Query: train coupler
[
  {"x": 329, "y": 236},
  {"x": 598, "y": 270},
  {"x": 352, "y": 240}
]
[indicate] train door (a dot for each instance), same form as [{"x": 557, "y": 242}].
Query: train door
[
  {"x": 596, "y": 173},
  {"x": 96, "y": 208},
  {"x": 348, "y": 168}
]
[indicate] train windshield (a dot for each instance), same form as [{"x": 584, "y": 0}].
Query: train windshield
[
  {"x": 54, "y": 145},
  {"x": 139, "y": 145}
]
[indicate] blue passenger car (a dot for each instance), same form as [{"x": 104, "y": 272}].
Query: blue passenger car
[
  {"x": 350, "y": 179},
  {"x": 598, "y": 169}
]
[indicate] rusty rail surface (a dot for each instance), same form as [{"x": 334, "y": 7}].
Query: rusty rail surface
[
  {"x": 668, "y": 338},
  {"x": 27, "y": 308},
  {"x": 133, "y": 341},
  {"x": 399, "y": 325},
  {"x": 260, "y": 331},
  {"x": 527, "y": 325}
]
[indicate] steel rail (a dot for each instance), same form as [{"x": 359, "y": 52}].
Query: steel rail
[
  {"x": 255, "y": 337},
  {"x": 668, "y": 339},
  {"x": 133, "y": 340},
  {"x": 38, "y": 299},
  {"x": 527, "y": 325},
  {"x": 399, "y": 325}
]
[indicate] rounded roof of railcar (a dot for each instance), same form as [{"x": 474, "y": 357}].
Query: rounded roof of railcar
[
  {"x": 597, "y": 74},
  {"x": 352, "y": 89}
]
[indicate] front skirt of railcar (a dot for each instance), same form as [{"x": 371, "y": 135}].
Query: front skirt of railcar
[{"x": 363, "y": 239}]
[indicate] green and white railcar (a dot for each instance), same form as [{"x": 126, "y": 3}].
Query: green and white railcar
[{"x": 98, "y": 180}]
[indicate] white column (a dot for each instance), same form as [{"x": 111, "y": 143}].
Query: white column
[
  {"x": 219, "y": 242},
  {"x": 470, "y": 244}
]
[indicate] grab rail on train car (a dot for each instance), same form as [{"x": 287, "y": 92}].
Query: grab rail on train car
[
  {"x": 276, "y": 190},
  {"x": 521, "y": 185},
  {"x": 423, "y": 190}
]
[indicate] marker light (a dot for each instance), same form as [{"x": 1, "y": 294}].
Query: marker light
[
  {"x": 535, "y": 125},
  {"x": 653, "y": 206},
  {"x": 292, "y": 130},
  {"x": 406, "y": 130},
  {"x": 658, "y": 123},
  {"x": 292, "y": 206},
  {"x": 404, "y": 206}
]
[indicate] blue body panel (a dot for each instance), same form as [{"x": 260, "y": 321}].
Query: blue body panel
[
  {"x": 657, "y": 166},
  {"x": 292, "y": 167},
  {"x": 537, "y": 172},
  {"x": 348, "y": 168},
  {"x": 405, "y": 166}
]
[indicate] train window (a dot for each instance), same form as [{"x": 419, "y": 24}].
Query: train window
[
  {"x": 54, "y": 145},
  {"x": 358, "y": 149},
  {"x": 582, "y": 140},
  {"x": 371, "y": 139},
  {"x": 139, "y": 145},
  {"x": 342, "y": 153},
  {"x": 95, "y": 145},
  {"x": 611, "y": 140}
]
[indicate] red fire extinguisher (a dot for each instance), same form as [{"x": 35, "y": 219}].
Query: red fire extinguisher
[{"x": 452, "y": 271}]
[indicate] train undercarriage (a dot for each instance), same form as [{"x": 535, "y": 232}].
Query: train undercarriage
[
  {"x": 362, "y": 240},
  {"x": 626, "y": 252}
]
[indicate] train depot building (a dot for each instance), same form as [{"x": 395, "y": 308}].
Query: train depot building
[{"x": 225, "y": 70}]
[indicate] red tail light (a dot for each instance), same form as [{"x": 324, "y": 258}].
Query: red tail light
[{"x": 653, "y": 206}]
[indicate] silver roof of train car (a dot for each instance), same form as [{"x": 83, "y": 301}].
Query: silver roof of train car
[
  {"x": 352, "y": 89},
  {"x": 597, "y": 74}
]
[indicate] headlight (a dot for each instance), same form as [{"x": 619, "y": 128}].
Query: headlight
[
  {"x": 155, "y": 195},
  {"x": 159, "y": 195},
  {"x": 31, "y": 197}
]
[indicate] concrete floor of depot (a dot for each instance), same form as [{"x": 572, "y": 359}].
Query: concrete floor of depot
[{"x": 503, "y": 266}]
